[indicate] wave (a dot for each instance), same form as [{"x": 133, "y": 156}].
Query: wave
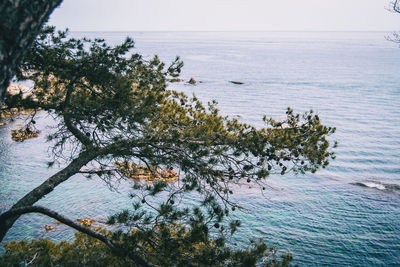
[{"x": 379, "y": 186}]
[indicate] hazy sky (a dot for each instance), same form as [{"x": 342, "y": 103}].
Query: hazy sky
[{"x": 217, "y": 15}]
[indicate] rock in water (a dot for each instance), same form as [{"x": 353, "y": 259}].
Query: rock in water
[
  {"x": 20, "y": 135},
  {"x": 235, "y": 82},
  {"x": 86, "y": 221},
  {"x": 175, "y": 80}
]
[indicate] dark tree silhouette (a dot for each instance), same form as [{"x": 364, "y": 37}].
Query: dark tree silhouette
[{"x": 20, "y": 23}]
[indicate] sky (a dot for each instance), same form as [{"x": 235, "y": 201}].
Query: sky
[{"x": 225, "y": 15}]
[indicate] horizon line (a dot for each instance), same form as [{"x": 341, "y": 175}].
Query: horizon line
[{"x": 233, "y": 30}]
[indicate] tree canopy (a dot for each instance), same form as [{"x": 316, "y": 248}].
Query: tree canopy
[{"x": 114, "y": 106}]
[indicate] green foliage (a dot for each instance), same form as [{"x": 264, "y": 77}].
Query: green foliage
[
  {"x": 171, "y": 245},
  {"x": 84, "y": 251},
  {"x": 107, "y": 96},
  {"x": 115, "y": 105}
]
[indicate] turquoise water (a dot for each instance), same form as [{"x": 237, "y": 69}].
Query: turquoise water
[{"x": 348, "y": 214}]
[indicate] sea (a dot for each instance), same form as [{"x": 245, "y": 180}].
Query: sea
[{"x": 345, "y": 215}]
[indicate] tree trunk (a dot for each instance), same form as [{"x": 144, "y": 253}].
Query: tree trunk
[
  {"x": 20, "y": 22},
  {"x": 46, "y": 187}
]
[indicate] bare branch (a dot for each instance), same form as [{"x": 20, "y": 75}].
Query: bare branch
[
  {"x": 31, "y": 261},
  {"x": 395, "y": 6}
]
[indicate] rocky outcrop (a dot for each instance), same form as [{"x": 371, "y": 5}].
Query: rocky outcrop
[
  {"x": 15, "y": 89},
  {"x": 192, "y": 81},
  {"x": 140, "y": 172},
  {"x": 86, "y": 221},
  {"x": 48, "y": 227},
  {"x": 20, "y": 135}
]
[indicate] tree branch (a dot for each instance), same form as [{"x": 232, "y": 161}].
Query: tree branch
[
  {"x": 47, "y": 186},
  {"x": 396, "y": 7},
  {"x": 116, "y": 249},
  {"x": 74, "y": 130},
  {"x": 39, "y": 209}
]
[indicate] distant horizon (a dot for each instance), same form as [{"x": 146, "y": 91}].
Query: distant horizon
[
  {"x": 226, "y": 15},
  {"x": 233, "y": 30}
]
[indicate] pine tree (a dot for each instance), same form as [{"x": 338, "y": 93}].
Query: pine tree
[{"x": 118, "y": 119}]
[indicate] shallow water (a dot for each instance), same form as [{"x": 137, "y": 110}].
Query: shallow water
[{"x": 347, "y": 214}]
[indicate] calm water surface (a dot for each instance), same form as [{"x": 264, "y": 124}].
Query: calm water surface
[{"x": 348, "y": 214}]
